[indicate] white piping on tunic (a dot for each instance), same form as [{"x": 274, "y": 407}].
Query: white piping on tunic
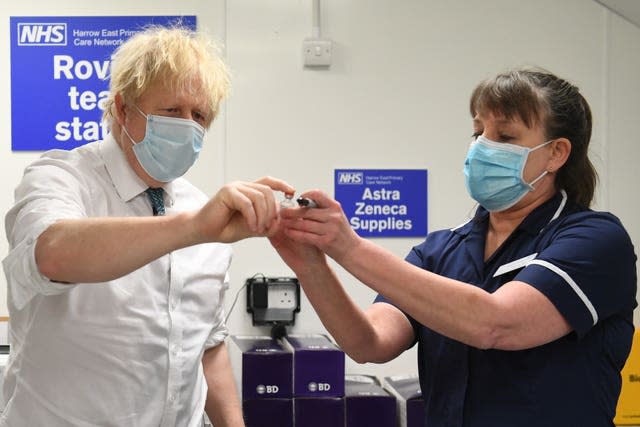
[
  {"x": 574, "y": 286},
  {"x": 514, "y": 265},
  {"x": 461, "y": 225},
  {"x": 561, "y": 207}
]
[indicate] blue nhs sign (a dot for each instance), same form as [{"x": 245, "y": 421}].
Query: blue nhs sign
[{"x": 384, "y": 202}]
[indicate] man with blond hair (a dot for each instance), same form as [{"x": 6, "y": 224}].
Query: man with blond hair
[{"x": 117, "y": 265}]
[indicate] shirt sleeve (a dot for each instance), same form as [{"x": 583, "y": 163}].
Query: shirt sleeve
[
  {"x": 587, "y": 270},
  {"x": 49, "y": 191},
  {"x": 219, "y": 332}
]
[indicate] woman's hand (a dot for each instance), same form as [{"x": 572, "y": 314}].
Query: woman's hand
[{"x": 325, "y": 226}]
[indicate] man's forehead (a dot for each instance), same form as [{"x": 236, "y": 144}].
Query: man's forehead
[{"x": 172, "y": 93}]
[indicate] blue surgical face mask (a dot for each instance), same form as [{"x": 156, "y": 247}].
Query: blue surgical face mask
[
  {"x": 493, "y": 173},
  {"x": 170, "y": 146}
]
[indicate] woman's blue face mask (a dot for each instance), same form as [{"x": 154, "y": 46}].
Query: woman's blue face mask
[
  {"x": 170, "y": 146},
  {"x": 494, "y": 173}
]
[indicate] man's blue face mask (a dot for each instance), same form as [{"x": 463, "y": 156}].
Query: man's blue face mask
[
  {"x": 170, "y": 146},
  {"x": 493, "y": 173}
]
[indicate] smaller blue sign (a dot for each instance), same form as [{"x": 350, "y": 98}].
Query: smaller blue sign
[{"x": 384, "y": 202}]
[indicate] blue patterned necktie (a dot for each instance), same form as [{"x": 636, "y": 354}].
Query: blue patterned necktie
[{"x": 156, "y": 195}]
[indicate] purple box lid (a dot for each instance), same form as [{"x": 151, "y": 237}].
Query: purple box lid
[
  {"x": 363, "y": 386},
  {"x": 407, "y": 386}
]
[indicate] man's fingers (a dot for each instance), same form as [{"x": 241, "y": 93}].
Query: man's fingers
[
  {"x": 245, "y": 205},
  {"x": 276, "y": 184}
]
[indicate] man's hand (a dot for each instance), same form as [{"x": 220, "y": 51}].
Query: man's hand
[{"x": 240, "y": 210}]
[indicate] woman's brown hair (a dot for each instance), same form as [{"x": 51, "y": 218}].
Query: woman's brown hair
[{"x": 537, "y": 96}]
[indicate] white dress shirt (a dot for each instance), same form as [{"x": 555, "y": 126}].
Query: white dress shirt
[{"x": 121, "y": 353}]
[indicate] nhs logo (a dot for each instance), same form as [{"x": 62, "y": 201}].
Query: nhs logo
[
  {"x": 42, "y": 34},
  {"x": 350, "y": 178}
]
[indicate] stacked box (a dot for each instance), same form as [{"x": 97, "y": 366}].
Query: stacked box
[
  {"x": 265, "y": 380},
  {"x": 367, "y": 403},
  {"x": 300, "y": 381},
  {"x": 318, "y": 366},
  {"x": 268, "y": 412},
  {"x": 318, "y": 411},
  {"x": 410, "y": 405},
  {"x": 318, "y": 381},
  {"x": 266, "y": 369}
]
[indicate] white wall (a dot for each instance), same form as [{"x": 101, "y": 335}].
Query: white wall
[{"x": 396, "y": 96}]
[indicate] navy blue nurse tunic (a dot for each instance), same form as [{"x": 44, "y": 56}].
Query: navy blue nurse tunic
[{"x": 584, "y": 262}]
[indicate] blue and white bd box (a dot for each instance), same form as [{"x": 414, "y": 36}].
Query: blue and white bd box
[
  {"x": 262, "y": 367},
  {"x": 319, "y": 412},
  {"x": 367, "y": 403},
  {"x": 318, "y": 366},
  {"x": 268, "y": 412},
  {"x": 406, "y": 389}
]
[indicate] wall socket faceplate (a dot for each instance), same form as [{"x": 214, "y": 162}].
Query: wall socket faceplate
[
  {"x": 282, "y": 295},
  {"x": 317, "y": 52}
]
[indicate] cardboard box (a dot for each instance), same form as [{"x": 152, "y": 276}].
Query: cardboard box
[
  {"x": 367, "y": 403},
  {"x": 628, "y": 410},
  {"x": 406, "y": 389},
  {"x": 318, "y": 366},
  {"x": 319, "y": 411},
  {"x": 268, "y": 412},
  {"x": 265, "y": 370}
]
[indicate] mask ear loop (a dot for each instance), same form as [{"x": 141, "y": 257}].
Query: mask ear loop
[
  {"x": 530, "y": 184},
  {"x": 126, "y": 132},
  {"x": 124, "y": 128},
  {"x": 140, "y": 111},
  {"x": 541, "y": 145},
  {"x": 537, "y": 179}
]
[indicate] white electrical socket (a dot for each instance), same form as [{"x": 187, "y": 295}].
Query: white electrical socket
[
  {"x": 281, "y": 296},
  {"x": 316, "y": 52}
]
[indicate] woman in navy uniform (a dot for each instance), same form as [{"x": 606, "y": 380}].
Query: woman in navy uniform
[{"x": 524, "y": 315}]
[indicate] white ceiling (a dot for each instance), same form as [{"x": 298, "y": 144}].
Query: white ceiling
[{"x": 628, "y": 9}]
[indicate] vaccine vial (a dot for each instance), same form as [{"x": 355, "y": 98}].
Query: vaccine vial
[{"x": 287, "y": 202}]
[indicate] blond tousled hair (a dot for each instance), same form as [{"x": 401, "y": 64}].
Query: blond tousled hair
[{"x": 185, "y": 60}]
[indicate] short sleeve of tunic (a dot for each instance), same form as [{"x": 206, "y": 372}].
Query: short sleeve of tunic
[{"x": 586, "y": 267}]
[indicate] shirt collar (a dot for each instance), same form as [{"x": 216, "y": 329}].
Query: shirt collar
[
  {"x": 126, "y": 182},
  {"x": 541, "y": 216},
  {"x": 534, "y": 223}
]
